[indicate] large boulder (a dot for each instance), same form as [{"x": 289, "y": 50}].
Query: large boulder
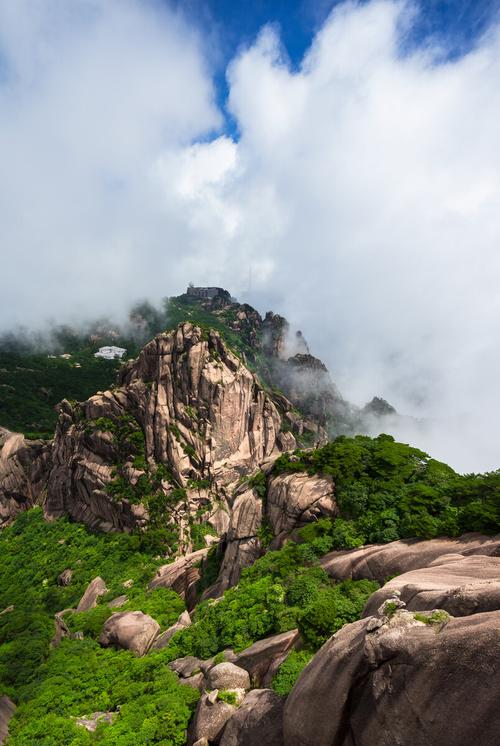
[
  {"x": 162, "y": 640},
  {"x": 404, "y": 683},
  {"x": 131, "y": 630},
  {"x": 209, "y": 719},
  {"x": 381, "y": 561},
  {"x": 242, "y": 541},
  {"x": 180, "y": 575},
  {"x": 24, "y": 470},
  {"x": 7, "y": 709},
  {"x": 258, "y": 721},
  {"x": 228, "y": 676},
  {"x": 264, "y": 657},
  {"x": 293, "y": 500},
  {"x": 459, "y": 585},
  {"x": 94, "y": 590}
]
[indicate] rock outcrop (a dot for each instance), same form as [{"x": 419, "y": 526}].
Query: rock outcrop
[
  {"x": 242, "y": 543},
  {"x": 293, "y": 500},
  {"x": 162, "y": 640},
  {"x": 186, "y": 420},
  {"x": 7, "y": 709},
  {"x": 459, "y": 585},
  {"x": 256, "y": 722},
  {"x": 405, "y": 683},
  {"x": 24, "y": 470},
  {"x": 209, "y": 719},
  {"x": 264, "y": 657},
  {"x": 381, "y": 561},
  {"x": 180, "y": 575},
  {"x": 130, "y": 630},
  {"x": 94, "y": 590}
]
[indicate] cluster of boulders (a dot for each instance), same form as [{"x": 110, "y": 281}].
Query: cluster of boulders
[{"x": 228, "y": 712}]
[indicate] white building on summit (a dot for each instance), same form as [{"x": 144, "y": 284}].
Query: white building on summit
[{"x": 111, "y": 352}]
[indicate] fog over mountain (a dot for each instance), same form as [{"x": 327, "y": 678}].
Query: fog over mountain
[{"x": 358, "y": 195}]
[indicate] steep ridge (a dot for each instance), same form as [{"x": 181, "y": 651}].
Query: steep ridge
[
  {"x": 191, "y": 460},
  {"x": 24, "y": 469},
  {"x": 186, "y": 421}
]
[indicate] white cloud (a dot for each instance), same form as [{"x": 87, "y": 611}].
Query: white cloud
[
  {"x": 372, "y": 181},
  {"x": 362, "y": 196},
  {"x": 91, "y": 93}
]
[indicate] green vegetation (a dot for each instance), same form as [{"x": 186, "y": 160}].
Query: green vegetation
[
  {"x": 32, "y": 384},
  {"x": 438, "y": 617},
  {"x": 290, "y": 670},
  {"x": 33, "y": 553},
  {"x": 81, "y": 678},
  {"x": 387, "y": 491},
  {"x": 225, "y": 695},
  {"x": 282, "y": 590},
  {"x": 52, "y": 686}
]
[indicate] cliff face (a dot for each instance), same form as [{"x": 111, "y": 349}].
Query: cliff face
[
  {"x": 24, "y": 468},
  {"x": 185, "y": 422}
]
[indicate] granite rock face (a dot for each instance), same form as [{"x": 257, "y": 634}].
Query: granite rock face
[
  {"x": 381, "y": 561},
  {"x": 257, "y": 721},
  {"x": 264, "y": 657},
  {"x": 187, "y": 413},
  {"x": 294, "y": 500},
  {"x": 89, "y": 599},
  {"x": 131, "y": 630},
  {"x": 404, "y": 684},
  {"x": 7, "y": 709},
  {"x": 24, "y": 470},
  {"x": 459, "y": 585}
]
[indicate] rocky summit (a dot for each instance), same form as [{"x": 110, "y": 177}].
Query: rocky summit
[{"x": 210, "y": 551}]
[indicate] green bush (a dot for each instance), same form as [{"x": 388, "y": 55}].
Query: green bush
[
  {"x": 33, "y": 553},
  {"x": 289, "y": 671},
  {"x": 81, "y": 678},
  {"x": 387, "y": 490}
]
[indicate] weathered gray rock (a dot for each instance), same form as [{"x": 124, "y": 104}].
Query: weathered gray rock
[
  {"x": 209, "y": 719},
  {"x": 115, "y": 603},
  {"x": 24, "y": 470},
  {"x": 89, "y": 599},
  {"x": 264, "y": 657},
  {"x": 228, "y": 676},
  {"x": 91, "y": 722},
  {"x": 257, "y": 722},
  {"x": 7, "y": 709},
  {"x": 403, "y": 684},
  {"x": 65, "y": 577},
  {"x": 201, "y": 411},
  {"x": 459, "y": 585},
  {"x": 196, "y": 681},
  {"x": 162, "y": 640},
  {"x": 131, "y": 630},
  {"x": 293, "y": 500},
  {"x": 382, "y": 561},
  {"x": 243, "y": 546},
  {"x": 187, "y": 666},
  {"x": 181, "y": 574}
]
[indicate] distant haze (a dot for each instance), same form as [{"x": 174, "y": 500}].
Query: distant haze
[{"x": 361, "y": 197}]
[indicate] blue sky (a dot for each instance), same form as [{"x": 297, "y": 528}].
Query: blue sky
[{"x": 229, "y": 25}]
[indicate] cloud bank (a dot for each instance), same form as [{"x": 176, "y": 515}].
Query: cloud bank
[{"x": 361, "y": 198}]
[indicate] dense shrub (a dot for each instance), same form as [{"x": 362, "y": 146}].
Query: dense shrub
[
  {"x": 281, "y": 591},
  {"x": 289, "y": 671},
  {"x": 387, "y": 491},
  {"x": 32, "y": 555},
  {"x": 81, "y": 678}
]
